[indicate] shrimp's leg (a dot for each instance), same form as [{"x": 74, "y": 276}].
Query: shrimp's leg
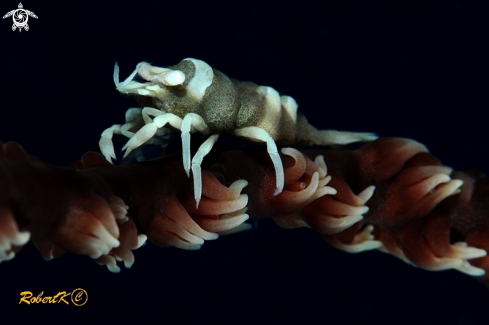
[
  {"x": 133, "y": 118},
  {"x": 190, "y": 120},
  {"x": 149, "y": 130},
  {"x": 204, "y": 149},
  {"x": 147, "y": 111},
  {"x": 258, "y": 134},
  {"x": 105, "y": 144}
]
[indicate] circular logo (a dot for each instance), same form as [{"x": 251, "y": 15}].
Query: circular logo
[
  {"x": 79, "y": 297},
  {"x": 20, "y": 18}
]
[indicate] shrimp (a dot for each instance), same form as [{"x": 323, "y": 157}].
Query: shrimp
[{"x": 191, "y": 96}]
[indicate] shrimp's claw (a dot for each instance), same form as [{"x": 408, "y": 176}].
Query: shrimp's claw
[{"x": 142, "y": 136}]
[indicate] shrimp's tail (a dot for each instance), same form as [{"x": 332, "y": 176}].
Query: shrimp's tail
[{"x": 307, "y": 134}]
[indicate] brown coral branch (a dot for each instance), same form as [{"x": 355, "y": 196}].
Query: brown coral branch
[{"x": 390, "y": 194}]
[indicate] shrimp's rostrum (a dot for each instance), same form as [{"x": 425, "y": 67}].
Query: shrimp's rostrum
[{"x": 191, "y": 96}]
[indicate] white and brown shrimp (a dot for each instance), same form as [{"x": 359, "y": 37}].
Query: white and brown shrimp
[{"x": 191, "y": 96}]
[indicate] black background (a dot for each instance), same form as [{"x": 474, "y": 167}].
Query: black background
[{"x": 398, "y": 68}]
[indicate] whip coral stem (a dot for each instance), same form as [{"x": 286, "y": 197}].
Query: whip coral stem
[{"x": 390, "y": 194}]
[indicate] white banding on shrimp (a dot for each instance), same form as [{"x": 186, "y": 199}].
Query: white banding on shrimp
[{"x": 191, "y": 96}]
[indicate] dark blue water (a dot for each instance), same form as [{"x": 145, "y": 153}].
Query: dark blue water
[{"x": 407, "y": 70}]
